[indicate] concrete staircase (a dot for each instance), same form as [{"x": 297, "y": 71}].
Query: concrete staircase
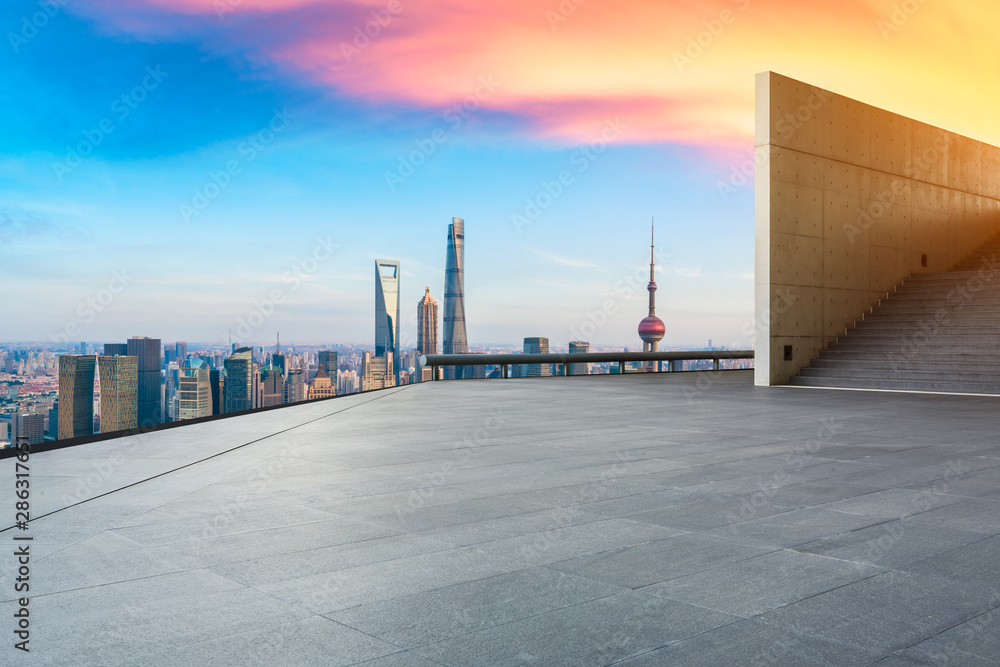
[{"x": 936, "y": 332}]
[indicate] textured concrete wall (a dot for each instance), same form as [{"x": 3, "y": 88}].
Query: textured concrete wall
[{"x": 850, "y": 201}]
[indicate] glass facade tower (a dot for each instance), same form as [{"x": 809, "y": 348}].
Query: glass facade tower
[
  {"x": 454, "y": 339},
  {"x": 387, "y": 312}
]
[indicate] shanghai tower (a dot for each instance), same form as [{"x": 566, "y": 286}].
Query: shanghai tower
[{"x": 454, "y": 340}]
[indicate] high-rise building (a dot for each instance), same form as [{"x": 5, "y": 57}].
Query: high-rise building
[
  {"x": 180, "y": 351},
  {"x": 112, "y": 349},
  {"x": 76, "y": 395},
  {"x": 238, "y": 391},
  {"x": 376, "y": 372},
  {"x": 83, "y": 348},
  {"x": 454, "y": 339},
  {"x": 323, "y": 385},
  {"x": 578, "y": 347},
  {"x": 53, "y": 430},
  {"x": 272, "y": 387},
  {"x": 328, "y": 362},
  {"x": 148, "y": 395},
  {"x": 28, "y": 427},
  {"x": 194, "y": 390},
  {"x": 295, "y": 385},
  {"x": 279, "y": 359},
  {"x": 539, "y": 345},
  {"x": 216, "y": 380},
  {"x": 651, "y": 328},
  {"x": 119, "y": 387},
  {"x": 347, "y": 382},
  {"x": 387, "y": 312},
  {"x": 427, "y": 319},
  {"x": 427, "y": 331}
]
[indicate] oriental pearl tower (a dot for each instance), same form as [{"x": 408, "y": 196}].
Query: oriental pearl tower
[{"x": 651, "y": 328}]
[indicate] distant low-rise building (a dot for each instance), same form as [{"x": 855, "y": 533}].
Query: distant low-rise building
[{"x": 322, "y": 385}]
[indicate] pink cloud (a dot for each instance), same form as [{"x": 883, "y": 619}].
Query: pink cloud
[{"x": 562, "y": 68}]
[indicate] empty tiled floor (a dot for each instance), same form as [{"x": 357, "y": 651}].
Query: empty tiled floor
[{"x": 641, "y": 520}]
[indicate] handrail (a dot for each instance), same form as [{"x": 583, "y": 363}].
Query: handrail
[{"x": 433, "y": 361}]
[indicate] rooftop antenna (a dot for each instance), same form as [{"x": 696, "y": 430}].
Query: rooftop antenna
[{"x": 651, "y": 224}]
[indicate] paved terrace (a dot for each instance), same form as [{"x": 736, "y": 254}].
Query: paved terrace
[{"x": 634, "y": 520}]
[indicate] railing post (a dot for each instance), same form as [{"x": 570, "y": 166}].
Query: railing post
[
  {"x": 715, "y": 364},
  {"x": 503, "y": 371}
]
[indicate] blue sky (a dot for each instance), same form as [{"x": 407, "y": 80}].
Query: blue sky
[{"x": 313, "y": 143}]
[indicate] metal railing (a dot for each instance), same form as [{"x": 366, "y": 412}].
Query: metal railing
[{"x": 654, "y": 359}]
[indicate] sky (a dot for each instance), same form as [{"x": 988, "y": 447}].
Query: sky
[{"x": 184, "y": 169}]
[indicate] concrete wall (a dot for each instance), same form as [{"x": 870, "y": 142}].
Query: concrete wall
[{"x": 850, "y": 201}]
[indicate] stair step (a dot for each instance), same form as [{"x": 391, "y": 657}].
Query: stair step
[
  {"x": 934, "y": 332},
  {"x": 984, "y": 337},
  {"x": 847, "y": 383},
  {"x": 848, "y": 364},
  {"x": 898, "y": 355},
  {"x": 901, "y": 375}
]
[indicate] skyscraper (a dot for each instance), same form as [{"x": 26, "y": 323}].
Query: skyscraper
[
  {"x": 576, "y": 347},
  {"x": 147, "y": 350},
  {"x": 272, "y": 387},
  {"x": 181, "y": 351},
  {"x": 278, "y": 359},
  {"x": 76, "y": 395},
  {"x": 194, "y": 390},
  {"x": 427, "y": 319},
  {"x": 427, "y": 332},
  {"x": 53, "y": 431},
  {"x": 111, "y": 349},
  {"x": 327, "y": 360},
  {"x": 536, "y": 346},
  {"x": 216, "y": 380},
  {"x": 27, "y": 427},
  {"x": 454, "y": 338},
  {"x": 238, "y": 390},
  {"x": 387, "y": 312},
  {"x": 295, "y": 385},
  {"x": 376, "y": 372},
  {"x": 651, "y": 328},
  {"x": 119, "y": 387}
]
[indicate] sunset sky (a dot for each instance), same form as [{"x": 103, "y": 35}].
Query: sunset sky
[{"x": 183, "y": 164}]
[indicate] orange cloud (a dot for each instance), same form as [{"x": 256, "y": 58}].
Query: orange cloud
[{"x": 676, "y": 71}]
